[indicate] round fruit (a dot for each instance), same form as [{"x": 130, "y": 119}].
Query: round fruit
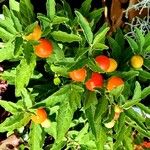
[
  {"x": 96, "y": 81},
  {"x": 113, "y": 65},
  {"x": 40, "y": 116},
  {"x": 44, "y": 49},
  {"x": 137, "y": 61},
  {"x": 114, "y": 82},
  {"x": 78, "y": 75},
  {"x": 57, "y": 81},
  {"x": 103, "y": 62},
  {"x": 35, "y": 35}
]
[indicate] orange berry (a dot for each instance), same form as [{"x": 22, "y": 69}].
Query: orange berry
[
  {"x": 40, "y": 116},
  {"x": 114, "y": 82},
  {"x": 78, "y": 75},
  {"x": 113, "y": 65}
]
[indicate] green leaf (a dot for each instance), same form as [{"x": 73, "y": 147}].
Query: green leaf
[
  {"x": 100, "y": 46},
  {"x": 101, "y": 107},
  {"x": 10, "y": 106},
  {"x": 85, "y": 7},
  {"x": 61, "y": 70},
  {"x": 119, "y": 37},
  {"x": 23, "y": 74},
  {"x": 90, "y": 99},
  {"x": 144, "y": 108},
  {"x": 144, "y": 74},
  {"x": 78, "y": 64},
  {"x": 35, "y": 137},
  {"x": 26, "y": 97},
  {"x": 65, "y": 37},
  {"x": 59, "y": 20},
  {"x": 140, "y": 38},
  {"x": 134, "y": 116},
  {"x": 93, "y": 66},
  {"x": 129, "y": 75},
  {"x": 50, "y": 7},
  {"x": 145, "y": 92},
  {"x": 8, "y": 25},
  {"x": 65, "y": 115},
  {"x": 6, "y": 53},
  {"x": 16, "y": 21},
  {"x": 147, "y": 50},
  {"x": 14, "y": 5},
  {"x": 18, "y": 45},
  {"x": 99, "y": 37},
  {"x": 26, "y": 12},
  {"x": 5, "y": 35},
  {"x": 132, "y": 44},
  {"x": 120, "y": 137},
  {"x": 14, "y": 122},
  {"x": 147, "y": 63},
  {"x": 67, "y": 9},
  {"x": 80, "y": 53},
  {"x": 116, "y": 48},
  {"x": 137, "y": 91},
  {"x": 85, "y": 27},
  {"x": 52, "y": 130}
]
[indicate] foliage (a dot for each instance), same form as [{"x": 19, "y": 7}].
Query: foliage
[{"x": 79, "y": 117}]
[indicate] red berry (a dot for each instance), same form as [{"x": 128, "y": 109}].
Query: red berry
[{"x": 103, "y": 62}]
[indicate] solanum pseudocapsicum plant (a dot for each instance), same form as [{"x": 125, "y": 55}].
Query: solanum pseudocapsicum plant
[{"x": 88, "y": 106}]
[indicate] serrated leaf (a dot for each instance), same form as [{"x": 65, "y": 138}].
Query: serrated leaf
[
  {"x": 140, "y": 38},
  {"x": 67, "y": 8},
  {"x": 101, "y": 107},
  {"x": 116, "y": 48},
  {"x": 144, "y": 74},
  {"x": 59, "y": 20},
  {"x": 99, "y": 37},
  {"x": 35, "y": 137},
  {"x": 65, "y": 115},
  {"x": 119, "y": 37},
  {"x": 90, "y": 99},
  {"x": 78, "y": 64},
  {"x": 14, "y": 122},
  {"x": 26, "y": 98},
  {"x": 145, "y": 92},
  {"x": 147, "y": 63},
  {"x": 129, "y": 74},
  {"x": 16, "y": 21},
  {"x": 93, "y": 66},
  {"x": 5, "y": 35},
  {"x": 144, "y": 108},
  {"x": 85, "y": 7},
  {"x": 24, "y": 72},
  {"x": 50, "y": 7},
  {"x": 134, "y": 116},
  {"x": 10, "y": 106},
  {"x": 80, "y": 53},
  {"x": 26, "y": 12},
  {"x": 14, "y": 5},
  {"x": 8, "y": 25},
  {"x": 100, "y": 46},
  {"x": 6, "y": 53},
  {"x": 18, "y": 44},
  {"x": 85, "y": 27},
  {"x": 132, "y": 44},
  {"x": 65, "y": 37}
]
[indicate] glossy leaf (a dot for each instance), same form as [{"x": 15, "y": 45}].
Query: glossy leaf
[
  {"x": 35, "y": 137},
  {"x": 50, "y": 7},
  {"x": 65, "y": 37},
  {"x": 85, "y": 27},
  {"x": 10, "y": 107},
  {"x": 14, "y": 122}
]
